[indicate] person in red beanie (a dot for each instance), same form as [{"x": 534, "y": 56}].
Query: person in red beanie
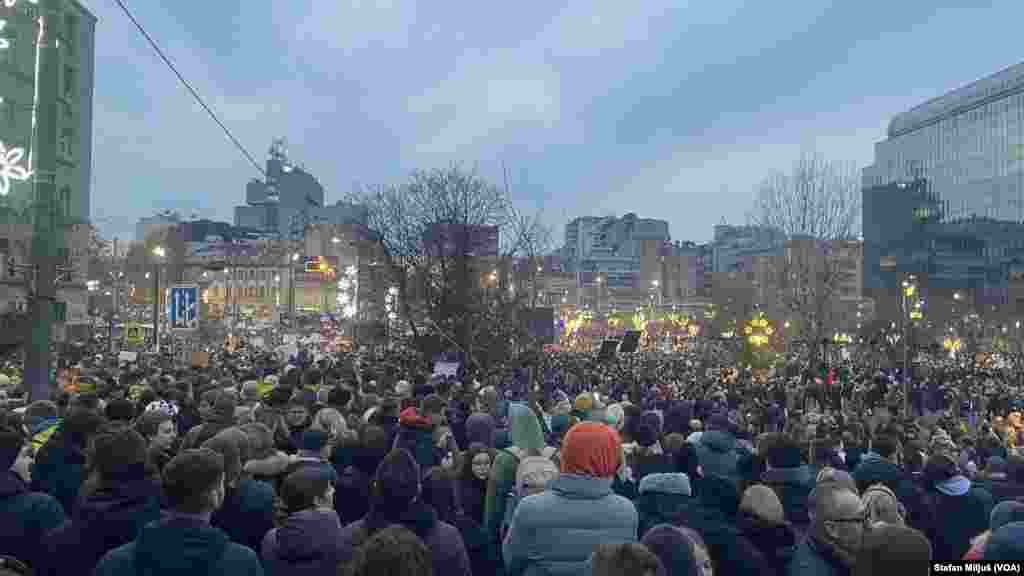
[{"x": 560, "y": 527}]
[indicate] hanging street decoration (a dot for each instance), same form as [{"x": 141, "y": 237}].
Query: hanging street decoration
[{"x": 10, "y": 168}]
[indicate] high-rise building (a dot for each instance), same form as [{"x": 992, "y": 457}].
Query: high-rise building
[
  {"x": 290, "y": 199},
  {"x": 76, "y": 30},
  {"x": 968, "y": 145},
  {"x": 944, "y": 198},
  {"x": 149, "y": 225}
]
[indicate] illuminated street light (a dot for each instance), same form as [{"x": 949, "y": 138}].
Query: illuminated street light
[
  {"x": 159, "y": 251},
  {"x": 335, "y": 240},
  {"x": 295, "y": 257}
]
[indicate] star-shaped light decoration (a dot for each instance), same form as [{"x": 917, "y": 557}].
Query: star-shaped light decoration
[{"x": 10, "y": 168}]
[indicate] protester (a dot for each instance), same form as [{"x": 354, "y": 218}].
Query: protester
[
  {"x": 1002, "y": 514},
  {"x": 881, "y": 505},
  {"x": 674, "y": 548},
  {"x": 626, "y": 559},
  {"x": 476, "y": 469},
  {"x": 662, "y": 499},
  {"x": 527, "y": 441},
  {"x": 791, "y": 480},
  {"x": 949, "y": 494},
  {"x": 218, "y": 413},
  {"x": 717, "y": 449},
  {"x": 440, "y": 492},
  {"x": 158, "y": 428},
  {"x": 117, "y": 501},
  {"x": 394, "y": 499},
  {"x": 889, "y": 549},
  {"x": 309, "y": 541},
  {"x": 352, "y": 492},
  {"x": 59, "y": 467},
  {"x": 25, "y": 516},
  {"x": 1006, "y": 544},
  {"x": 183, "y": 542},
  {"x": 762, "y": 522},
  {"x": 393, "y": 551},
  {"x": 834, "y": 541},
  {"x": 247, "y": 511},
  {"x": 579, "y": 502}
]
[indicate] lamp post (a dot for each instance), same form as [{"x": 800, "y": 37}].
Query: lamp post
[
  {"x": 158, "y": 252},
  {"x": 908, "y": 292}
]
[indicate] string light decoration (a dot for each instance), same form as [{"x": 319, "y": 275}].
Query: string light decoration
[
  {"x": 759, "y": 330},
  {"x": 348, "y": 287},
  {"x": 10, "y": 158}
]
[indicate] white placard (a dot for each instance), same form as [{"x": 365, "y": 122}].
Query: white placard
[{"x": 128, "y": 357}]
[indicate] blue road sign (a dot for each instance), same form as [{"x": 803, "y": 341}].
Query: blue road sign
[{"x": 184, "y": 307}]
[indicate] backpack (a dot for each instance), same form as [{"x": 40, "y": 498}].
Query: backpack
[{"x": 532, "y": 475}]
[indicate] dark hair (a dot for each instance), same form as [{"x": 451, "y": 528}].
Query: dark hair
[
  {"x": 627, "y": 559},
  {"x": 466, "y": 471},
  {"x": 439, "y": 491},
  {"x": 886, "y": 445},
  {"x": 190, "y": 477},
  {"x": 120, "y": 410},
  {"x": 782, "y": 452},
  {"x": 301, "y": 488},
  {"x": 939, "y": 468},
  {"x": 687, "y": 460},
  {"x": 12, "y": 441},
  {"x": 149, "y": 423},
  {"x": 119, "y": 456},
  {"x": 431, "y": 404},
  {"x": 673, "y": 547},
  {"x": 80, "y": 425},
  {"x": 393, "y": 551},
  {"x": 397, "y": 480},
  {"x": 1015, "y": 469}
]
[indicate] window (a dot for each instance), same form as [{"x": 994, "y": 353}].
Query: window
[
  {"x": 67, "y": 142},
  {"x": 65, "y": 202},
  {"x": 70, "y": 82}
]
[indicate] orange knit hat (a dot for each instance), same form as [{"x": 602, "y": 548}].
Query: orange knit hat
[{"x": 591, "y": 449}]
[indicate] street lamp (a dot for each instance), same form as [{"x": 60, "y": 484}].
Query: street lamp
[
  {"x": 335, "y": 240},
  {"x": 159, "y": 252}
]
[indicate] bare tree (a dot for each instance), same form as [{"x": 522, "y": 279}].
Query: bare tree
[
  {"x": 447, "y": 239},
  {"x": 817, "y": 207},
  {"x": 818, "y": 198}
]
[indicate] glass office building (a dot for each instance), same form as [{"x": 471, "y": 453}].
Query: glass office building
[{"x": 967, "y": 144}]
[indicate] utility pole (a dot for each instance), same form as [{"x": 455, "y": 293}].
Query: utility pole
[
  {"x": 156, "y": 307},
  {"x": 46, "y": 220},
  {"x": 117, "y": 297}
]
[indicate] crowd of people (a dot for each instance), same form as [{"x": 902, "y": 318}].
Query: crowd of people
[{"x": 565, "y": 466}]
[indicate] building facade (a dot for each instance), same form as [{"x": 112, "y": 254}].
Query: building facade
[
  {"x": 944, "y": 198},
  {"x": 150, "y": 225},
  {"x": 76, "y": 30},
  {"x": 968, "y": 145}
]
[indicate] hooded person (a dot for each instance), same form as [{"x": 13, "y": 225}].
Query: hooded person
[
  {"x": 395, "y": 499},
  {"x": 308, "y": 543},
  {"x": 662, "y": 498},
  {"x": 762, "y": 522},
  {"x": 717, "y": 449},
  {"x": 1002, "y": 514},
  {"x": 949, "y": 494},
  {"x": 183, "y": 541},
  {"x": 117, "y": 501},
  {"x": 1006, "y": 544},
  {"x": 648, "y": 457},
  {"x": 579, "y": 502},
  {"x": 881, "y": 505},
  {"x": 889, "y": 549},
  {"x": 480, "y": 428},
  {"x": 788, "y": 477},
  {"x": 527, "y": 440}
]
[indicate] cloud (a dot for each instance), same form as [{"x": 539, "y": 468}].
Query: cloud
[{"x": 667, "y": 108}]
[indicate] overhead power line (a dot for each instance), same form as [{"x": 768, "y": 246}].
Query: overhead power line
[{"x": 189, "y": 87}]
